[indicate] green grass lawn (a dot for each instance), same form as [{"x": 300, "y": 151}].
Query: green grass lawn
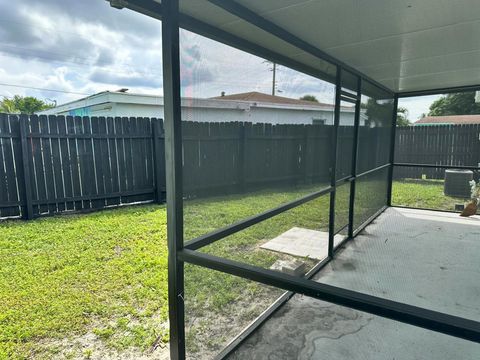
[
  {"x": 62, "y": 276},
  {"x": 423, "y": 194},
  {"x": 73, "y": 286},
  {"x": 105, "y": 274}
]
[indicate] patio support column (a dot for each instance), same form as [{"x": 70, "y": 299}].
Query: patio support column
[
  {"x": 392, "y": 150},
  {"x": 173, "y": 160},
  {"x": 351, "y": 212},
  {"x": 333, "y": 161}
]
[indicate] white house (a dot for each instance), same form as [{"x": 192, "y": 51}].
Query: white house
[{"x": 252, "y": 107}]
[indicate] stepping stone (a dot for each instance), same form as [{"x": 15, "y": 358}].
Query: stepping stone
[{"x": 302, "y": 242}]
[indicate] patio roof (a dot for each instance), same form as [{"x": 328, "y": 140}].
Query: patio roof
[{"x": 406, "y": 45}]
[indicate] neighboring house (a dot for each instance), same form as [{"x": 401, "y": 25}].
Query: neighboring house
[
  {"x": 253, "y": 107},
  {"x": 448, "y": 120}
]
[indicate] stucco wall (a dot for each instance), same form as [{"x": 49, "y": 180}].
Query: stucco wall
[{"x": 254, "y": 114}]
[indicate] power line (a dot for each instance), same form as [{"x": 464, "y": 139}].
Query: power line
[{"x": 43, "y": 89}]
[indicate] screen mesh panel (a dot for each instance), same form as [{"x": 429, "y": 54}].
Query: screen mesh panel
[
  {"x": 433, "y": 188},
  {"x": 246, "y": 150},
  {"x": 370, "y": 195},
  {"x": 374, "y": 136},
  {"x": 342, "y": 206},
  {"x": 256, "y": 135}
]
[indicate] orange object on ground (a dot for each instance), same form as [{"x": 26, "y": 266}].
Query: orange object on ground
[{"x": 470, "y": 209}]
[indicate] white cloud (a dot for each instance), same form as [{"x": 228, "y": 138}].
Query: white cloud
[
  {"x": 418, "y": 105},
  {"x": 87, "y": 47}
]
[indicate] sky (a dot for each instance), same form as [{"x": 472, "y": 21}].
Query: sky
[
  {"x": 417, "y": 106},
  {"x": 60, "y": 51}
]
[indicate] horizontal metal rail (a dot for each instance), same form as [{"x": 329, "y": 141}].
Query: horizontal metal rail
[
  {"x": 348, "y": 99},
  {"x": 425, "y": 209},
  {"x": 245, "y": 223},
  {"x": 461, "y": 167},
  {"x": 438, "y": 91},
  {"x": 408, "y": 314},
  {"x": 350, "y": 178},
  {"x": 213, "y": 236},
  {"x": 345, "y": 179},
  {"x": 372, "y": 170},
  {"x": 348, "y": 94}
]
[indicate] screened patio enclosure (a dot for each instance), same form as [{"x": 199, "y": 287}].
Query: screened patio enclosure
[{"x": 328, "y": 179}]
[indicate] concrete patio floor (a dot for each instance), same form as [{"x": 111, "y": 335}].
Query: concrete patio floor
[{"x": 422, "y": 258}]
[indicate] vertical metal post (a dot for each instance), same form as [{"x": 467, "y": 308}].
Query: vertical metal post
[
  {"x": 26, "y": 168},
  {"x": 392, "y": 150},
  {"x": 354, "y": 159},
  {"x": 173, "y": 161},
  {"x": 333, "y": 161},
  {"x": 158, "y": 160}
]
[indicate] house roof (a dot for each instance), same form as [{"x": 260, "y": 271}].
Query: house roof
[
  {"x": 450, "y": 119},
  {"x": 259, "y": 99},
  {"x": 242, "y": 101},
  {"x": 255, "y": 96}
]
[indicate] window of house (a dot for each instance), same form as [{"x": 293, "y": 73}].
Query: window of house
[{"x": 318, "y": 121}]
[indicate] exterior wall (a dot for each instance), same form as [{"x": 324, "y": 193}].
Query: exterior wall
[
  {"x": 289, "y": 116},
  {"x": 259, "y": 115},
  {"x": 253, "y": 114}
]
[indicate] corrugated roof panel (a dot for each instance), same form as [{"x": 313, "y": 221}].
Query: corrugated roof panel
[{"x": 405, "y": 45}]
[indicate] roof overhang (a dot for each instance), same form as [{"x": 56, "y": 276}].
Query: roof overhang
[{"x": 402, "y": 46}]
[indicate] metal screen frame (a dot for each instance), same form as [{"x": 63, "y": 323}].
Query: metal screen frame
[{"x": 179, "y": 253}]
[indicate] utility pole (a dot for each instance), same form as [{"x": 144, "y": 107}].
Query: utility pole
[
  {"x": 273, "y": 81},
  {"x": 273, "y": 69}
]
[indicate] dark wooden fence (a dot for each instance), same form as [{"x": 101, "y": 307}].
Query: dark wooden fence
[
  {"x": 437, "y": 145},
  {"x": 55, "y": 164}
]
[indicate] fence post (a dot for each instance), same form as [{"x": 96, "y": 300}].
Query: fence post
[
  {"x": 305, "y": 129},
  {"x": 158, "y": 160},
  {"x": 26, "y": 168},
  {"x": 241, "y": 159}
]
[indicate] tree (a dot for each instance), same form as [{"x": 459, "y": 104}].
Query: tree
[
  {"x": 402, "y": 116},
  {"x": 377, "y": 112},
  {"x": 7, "y": 106},
  {"x": 455, "y": 104},
  {"x": 309, "y": 98},
  {"x": 23, "y": 105}
]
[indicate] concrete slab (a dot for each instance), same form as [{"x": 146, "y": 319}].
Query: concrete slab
[
  {"x": 423, "y": 258},
  {"x": 302, "y": 242}
]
